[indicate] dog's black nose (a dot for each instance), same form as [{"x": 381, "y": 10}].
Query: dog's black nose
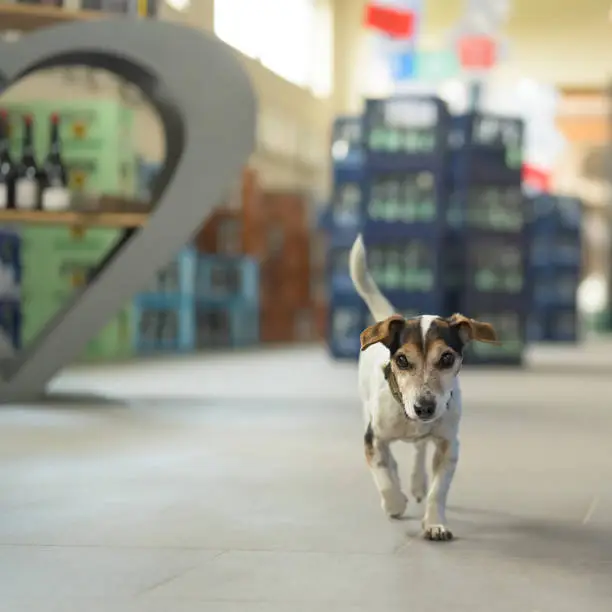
[{"x": 425, "y": 408}]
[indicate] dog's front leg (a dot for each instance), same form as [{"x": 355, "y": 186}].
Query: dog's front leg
[
  {"x": 384, "y": 470},
  {"x": 419, "y": 472},
  {"x": 445, "y": 461}
]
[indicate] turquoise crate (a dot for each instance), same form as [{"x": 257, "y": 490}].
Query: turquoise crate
[
  {"x": 164, "y": 323},
  {"x": 178, "y": 277},
  {"x": 221, "y": 280},
  {"x": 231, "y": 326}
]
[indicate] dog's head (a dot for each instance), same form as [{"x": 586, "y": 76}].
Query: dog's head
[{"x": 426, "y": 356}]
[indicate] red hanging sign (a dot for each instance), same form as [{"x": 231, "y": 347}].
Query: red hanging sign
[
  {"x": 477, "y": 52},
  {"x": 536, "y": 179},
  {"x": 392, "y": 22}
]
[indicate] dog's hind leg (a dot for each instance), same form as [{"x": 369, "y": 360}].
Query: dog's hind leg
[
  {"x": 419, "y": 472},
  {"x": 385, "y": 473}
]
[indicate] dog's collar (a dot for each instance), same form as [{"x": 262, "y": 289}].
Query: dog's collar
[{"x": 393, "y": 387}]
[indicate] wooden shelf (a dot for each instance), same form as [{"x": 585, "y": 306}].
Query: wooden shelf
[
  {"x": 24, "y": 17},
  {"x": 75, "y": 218}
]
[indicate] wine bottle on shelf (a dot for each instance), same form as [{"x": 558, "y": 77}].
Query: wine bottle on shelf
[
  {"x": 27, "y": 183},
  {"x": 54, "y": 183},
  {"x": 7, "y": 167}
]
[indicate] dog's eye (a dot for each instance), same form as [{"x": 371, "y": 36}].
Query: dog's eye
[
  {"x": 447, "y": 360},
  {"x": 403, "y": 363}
]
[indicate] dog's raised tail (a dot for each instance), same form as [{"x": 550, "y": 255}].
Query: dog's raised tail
[{"x": 364, "y": 283}]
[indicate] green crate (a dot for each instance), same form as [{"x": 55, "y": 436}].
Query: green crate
[
  {"x": 103, "y": 161},
  {"x": 58, "y": 259},
  {"x": 86, "y": 125},
  {"x": 101, "y": 174},
  {"x": 64, "y": 273},
  {"x": 113, "y": 342},
  {"x": 37, "y": 309},
  {"x": 44, "y": 240}
]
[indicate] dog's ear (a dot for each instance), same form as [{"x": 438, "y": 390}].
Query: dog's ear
[
  {"x": 470, "y": 329},
  {"x": 387, "y": 332}
]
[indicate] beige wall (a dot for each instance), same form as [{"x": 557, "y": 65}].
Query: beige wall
[{"x": 293, "y": 127}]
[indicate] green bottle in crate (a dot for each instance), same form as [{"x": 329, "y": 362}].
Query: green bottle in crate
[
  {"x": 427, "y": 141},
  {"x": 393, "y": 210},
  {"x": 425, "y": 184},
  {"x": 410, "y": 272},
  {"x": 485, "y": 279},
  {"x": 394, "y": 268},
  {"x": 409, "y": 212},
  {"x": 377, "y": 137},
  {"x": 394, "y": 140},
  {"x": 411, "y": 141},
  {"x": 376, "y": 203}
]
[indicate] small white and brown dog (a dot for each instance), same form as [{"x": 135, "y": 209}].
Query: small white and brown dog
[{"x": 410, "y": 392}]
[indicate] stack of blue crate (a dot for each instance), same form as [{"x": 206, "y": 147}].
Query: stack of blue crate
[
  {"x": 404, "y": 203},
  {"x": 10, "y": 302},
  {"x": 488, "y": 240},
  {"x": 343, "y": 221},
  {"x": 389, "y": 184},
  {"x": 554, "y": 269},
  {"x": 164, "y": 313},
  {"x": 197, "y": 302},
  {"x": 227, "y": 302}
]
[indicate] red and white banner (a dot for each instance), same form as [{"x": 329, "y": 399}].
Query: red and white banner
[
  {"x": 477, "y": 52},
  {"x": 399, "y": 24},
  {"x": 536, "y": 179}
]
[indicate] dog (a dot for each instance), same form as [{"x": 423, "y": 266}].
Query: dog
[{"x": 408, "y": 385}]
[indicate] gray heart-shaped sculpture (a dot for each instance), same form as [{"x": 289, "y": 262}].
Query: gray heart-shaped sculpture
[{"x": 207, "y": 106}]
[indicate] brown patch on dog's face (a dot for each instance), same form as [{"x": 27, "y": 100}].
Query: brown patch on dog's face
[{"x": 426, "y": 356}]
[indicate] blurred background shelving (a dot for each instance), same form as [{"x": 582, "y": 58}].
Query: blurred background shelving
[{"x": 456, "y": 214}]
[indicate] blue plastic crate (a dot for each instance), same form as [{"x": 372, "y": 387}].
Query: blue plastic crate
[
  {"x": 561, "y": 249},
  {"x": 164, "y": 323},
  {"x": 511, "y": 328},
  {"x": 10, "y": 263},
  {"x": 346, "y": 321},
  {"x": 562, "y": 325},
  {"x": 231, "y": 326},
  {"x": 488, "y": 208},
  {"x": 178, "y": 277},
  {"x": 398, "y": 266},
  {"x": 347, "y": 143},
  {"x": 536, "y": 327},
  {"x": 10, "y": 322},
  {"x": 493, "y": 266},
  {"x": 551, "y": 214},
  {"x": 485, "y": 148},
  {"x": 411, "y": 306},
  {"x": 221, "y": 279},
  {"x": 338, "y": 275},
  {"x": 344, "y": 215},
  {"x": 555, "y": 287},
  {"x": 406, "y": 133},
  {"x": 402, "y": 205}
]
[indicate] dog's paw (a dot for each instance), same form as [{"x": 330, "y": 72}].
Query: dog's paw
[
  {"x": 394, "y": 503},
  {"x": 437, "y": 533}
]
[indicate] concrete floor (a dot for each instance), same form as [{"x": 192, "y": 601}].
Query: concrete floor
[{"x": 239, "y": 484}]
